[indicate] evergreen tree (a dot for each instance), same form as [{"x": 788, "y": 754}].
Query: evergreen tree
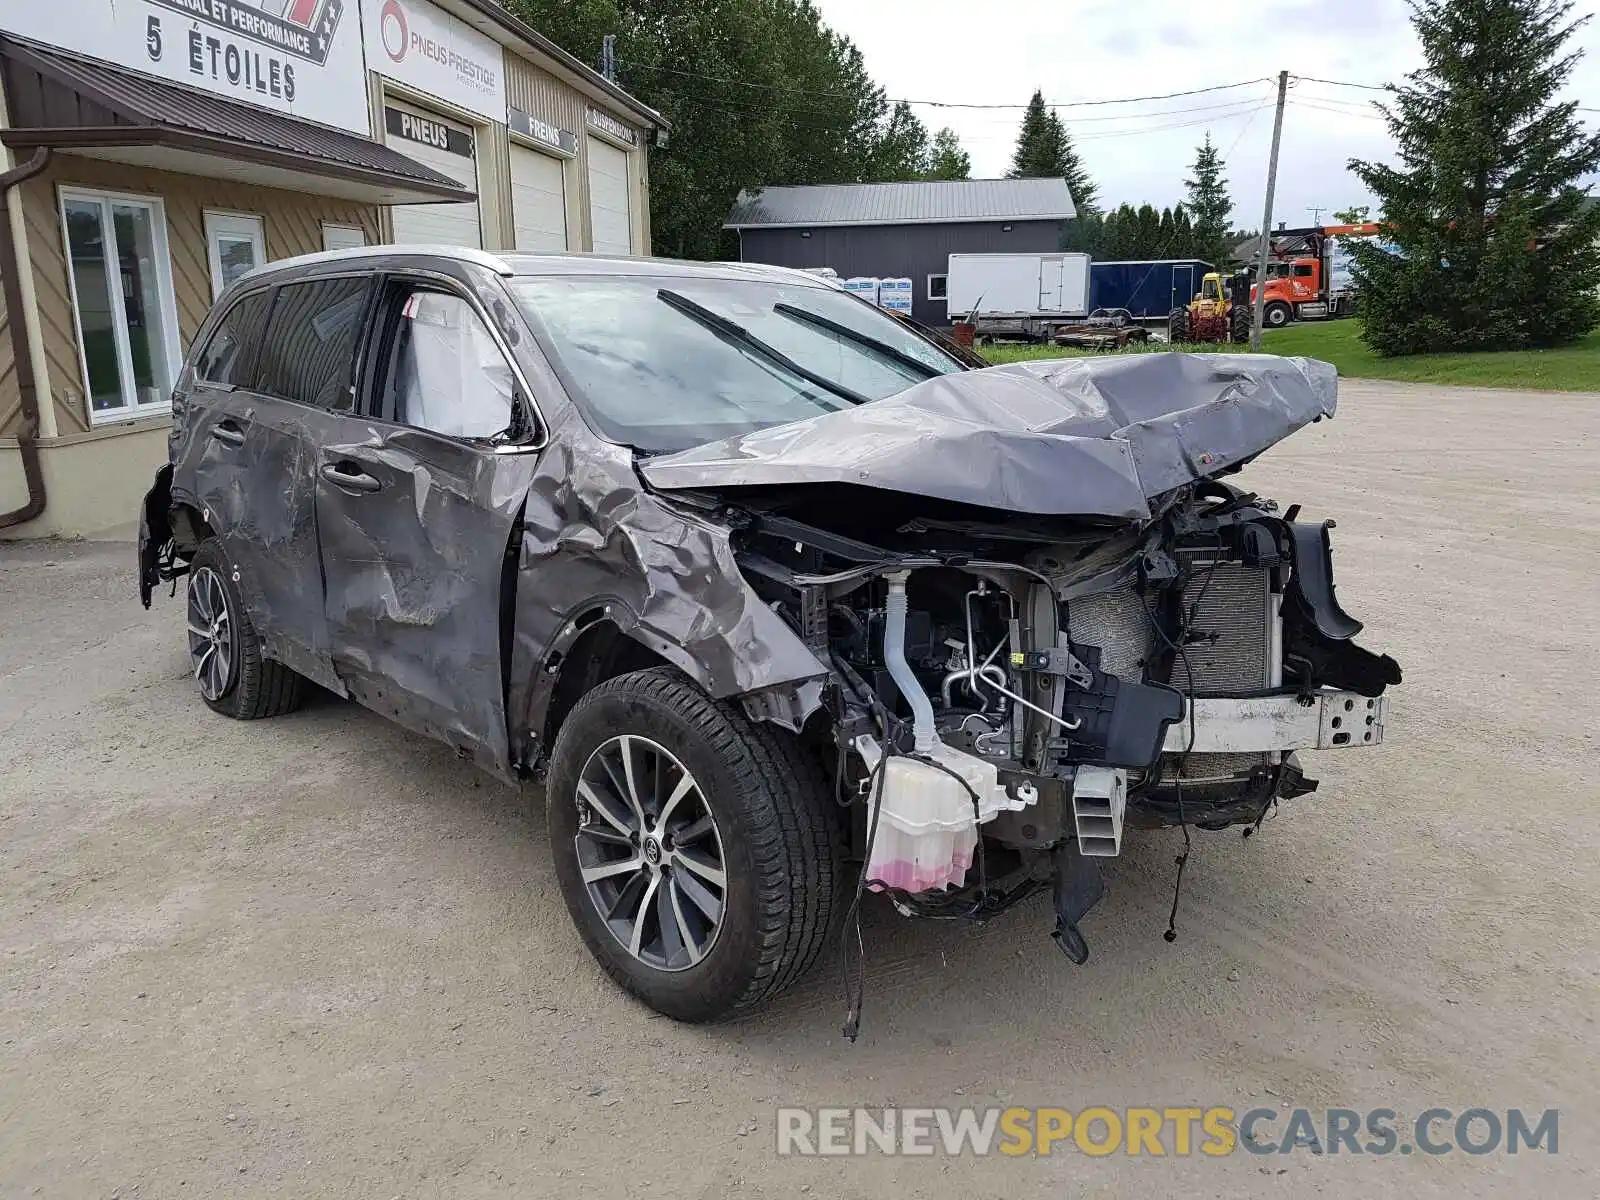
[
  {"x": 1490, "y": 242},
  {"x": 1209, "y": 205},
  {"x": 1167, "y": 237},
  {"x": 1045, "y": 150},
  {"x": 946, "y": 157},
  {"x": 1122, "y": 233},
  {"x": 1034, "y": 156},
  {"x": 1355, "y": 215},
  {"x": 1146, "y": 233},
  {"x": 1183, "y": 239},
  {"x": 1085, "y": 194}
]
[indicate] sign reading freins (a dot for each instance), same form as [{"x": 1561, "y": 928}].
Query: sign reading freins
[{"x": 414, "y": 43}]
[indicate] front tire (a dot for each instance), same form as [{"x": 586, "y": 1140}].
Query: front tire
[
  {"x": 224, "y": 651},
  {"x": 698, "y": 853},
  {"x": 1277, "y": 315},
  {"x": 1178, "y": 327}
]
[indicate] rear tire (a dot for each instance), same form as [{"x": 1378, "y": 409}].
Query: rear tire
[
  {"x": 767, "y": 828},
  {"x": 224, "y": 651}
]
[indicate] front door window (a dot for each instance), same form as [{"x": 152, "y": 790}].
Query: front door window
[
  {"x": 236, "y": 247},
  {"x": 122, "y": 299}
]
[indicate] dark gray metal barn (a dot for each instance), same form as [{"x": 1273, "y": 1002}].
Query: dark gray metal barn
[{"x": 904, "y": 230}]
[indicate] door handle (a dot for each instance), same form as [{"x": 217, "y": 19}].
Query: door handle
[
  {"x": 342, "y": 476},
  {"x": 228, "y": 434}
]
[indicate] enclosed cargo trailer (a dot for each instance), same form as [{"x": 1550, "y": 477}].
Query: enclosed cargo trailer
[{"x": 1148, "y": 289}]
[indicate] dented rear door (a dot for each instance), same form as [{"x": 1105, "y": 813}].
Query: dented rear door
[{"x": 249, "y": 459}]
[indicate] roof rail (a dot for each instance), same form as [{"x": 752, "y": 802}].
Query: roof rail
[{"x": 471, "y": 254}]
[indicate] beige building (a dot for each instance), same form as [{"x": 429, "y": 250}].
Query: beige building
[{"x": 152, "y": 156}]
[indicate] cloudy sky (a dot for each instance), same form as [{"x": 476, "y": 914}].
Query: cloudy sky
[{"x": 998, "y": 51}]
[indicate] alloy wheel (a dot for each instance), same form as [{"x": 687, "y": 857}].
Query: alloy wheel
[
  {"x": 650, "y": 853},
  {"x": 211, "y": 634}
]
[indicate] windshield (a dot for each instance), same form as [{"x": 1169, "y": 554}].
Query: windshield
[{"x": 665, "y": 363}]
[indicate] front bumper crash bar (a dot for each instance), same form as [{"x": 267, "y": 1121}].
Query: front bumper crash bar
[{"x": 1314, "y": 721}]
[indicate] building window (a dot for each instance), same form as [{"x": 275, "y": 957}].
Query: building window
[
  {"x": 127, "y": 320},
  {"x": 342, "y": 237},
  {"x": 236, "y": 245},
  {"x": 937, "y": 287}
]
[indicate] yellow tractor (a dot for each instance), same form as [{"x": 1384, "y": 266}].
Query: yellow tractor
[{"x": 1220, "y": 313}]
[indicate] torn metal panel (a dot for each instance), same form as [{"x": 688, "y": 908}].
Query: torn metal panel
[
  {"x": 1085, "y": 436},
  {"x": 593, "y": 539}
]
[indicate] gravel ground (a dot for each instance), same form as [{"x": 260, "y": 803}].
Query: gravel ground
[{"x": 316, "y": 956}]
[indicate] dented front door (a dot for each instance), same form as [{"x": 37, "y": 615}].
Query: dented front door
[{"x": 415, "y": 531}]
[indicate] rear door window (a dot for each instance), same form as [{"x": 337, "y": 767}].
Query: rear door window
[
  {"x": 229, "y": 357},
  {"x": 309, "y": 352}
]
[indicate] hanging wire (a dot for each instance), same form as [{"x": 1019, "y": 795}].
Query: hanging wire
[{"x": 773, "y": 87}]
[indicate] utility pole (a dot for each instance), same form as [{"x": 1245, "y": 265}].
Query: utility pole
[
  {"x": 1316, "y": 213},
  {"x": 1266, "y": 214}
]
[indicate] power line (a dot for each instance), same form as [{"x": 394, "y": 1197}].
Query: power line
[
  {"x": 1244, "y": 129},
  {"x": 772, "y": 87},
  {"x": 1104, "y": 134},
  {"x": 1370, "y": 87},
  {"x": 1353, "y": 105},
  {"x": 1377, "y": 87},
  {"x": 1114, "y": 133},
  {"x": 1338, "y": 112},
  {"x": 1010, "y": 122}
]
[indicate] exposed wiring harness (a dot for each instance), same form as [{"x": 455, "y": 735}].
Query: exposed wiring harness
[{"x": 1180, "y": 649}]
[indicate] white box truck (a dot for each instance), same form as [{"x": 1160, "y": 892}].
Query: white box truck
[{"x": 1017, "y": 295}]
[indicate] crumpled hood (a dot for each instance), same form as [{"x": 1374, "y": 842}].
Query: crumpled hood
[{"x": 1071, "y": 436}]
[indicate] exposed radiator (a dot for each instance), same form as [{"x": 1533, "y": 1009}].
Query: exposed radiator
[
  {"x": 1233, "y": 608},
  {"x": 1233, "y": 614}
]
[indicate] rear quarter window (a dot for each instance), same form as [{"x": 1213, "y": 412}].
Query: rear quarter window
[{"x": 228, "y": 358}]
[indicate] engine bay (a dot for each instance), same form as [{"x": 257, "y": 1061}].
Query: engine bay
[{"x": 1060, "y": 669}]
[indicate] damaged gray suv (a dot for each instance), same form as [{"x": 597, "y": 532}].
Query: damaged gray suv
[{"x": 781, "y": 597}]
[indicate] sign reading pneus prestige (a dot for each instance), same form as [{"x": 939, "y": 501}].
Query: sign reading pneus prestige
[
  {"x": 415, "y": 43},
  {"x": 301, "y": 57}
]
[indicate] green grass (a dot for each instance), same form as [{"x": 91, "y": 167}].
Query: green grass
[{"x": 1573, "y": 368}]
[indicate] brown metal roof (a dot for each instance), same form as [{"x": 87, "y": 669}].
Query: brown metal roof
[{"x": 63, "y": 100}]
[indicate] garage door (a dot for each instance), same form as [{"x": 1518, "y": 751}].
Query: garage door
[
  {"x": 608, "y": 199},
  {"x": 538, "y": 200},
  {"x": 447, "y": 148}
]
